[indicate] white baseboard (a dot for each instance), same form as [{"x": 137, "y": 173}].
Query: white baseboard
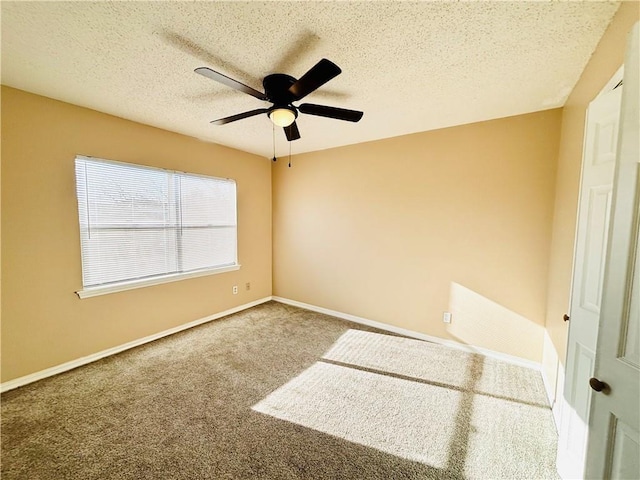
[
  {"x": 551, "y": 363},
  {"x": 558, "y": 405},
  {"x": 33, "y": 377},
  {"x": 18, "y": 382},
  {"x": 410, "y": 333},
  {"x": 550, "y": 394}
]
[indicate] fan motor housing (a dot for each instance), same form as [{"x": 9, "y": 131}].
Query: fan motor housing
[{"x": 276, "y": 88}]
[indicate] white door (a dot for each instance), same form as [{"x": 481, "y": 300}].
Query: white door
[
  {"x": 614, "y": 446},
  {"x": 599, "y": 158}
]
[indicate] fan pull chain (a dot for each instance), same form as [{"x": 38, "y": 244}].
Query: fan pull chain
[
  {"x": 274, "y": 142},
  {"x": 289, "y": 154}
]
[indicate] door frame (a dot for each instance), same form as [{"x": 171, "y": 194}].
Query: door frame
[{"x": 561, "y": 373}]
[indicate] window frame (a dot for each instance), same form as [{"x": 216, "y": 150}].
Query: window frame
[{"x": 119, "y": 286}]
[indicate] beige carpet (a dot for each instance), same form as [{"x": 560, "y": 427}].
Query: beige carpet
[{"x": 279, "y": 392}]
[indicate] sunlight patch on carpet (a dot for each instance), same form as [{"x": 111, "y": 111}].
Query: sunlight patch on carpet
[
  {"x": 403, "y": 356},
  {"x": 496, "y": 422},
  {"x": 412, "y": 420},
  {"x": 438, "y": 364},
  {"x": 424, "y": 402}
]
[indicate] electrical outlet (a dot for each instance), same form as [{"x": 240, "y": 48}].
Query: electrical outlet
[
  {"x": 446, "y": 317},
  {"x": 248, "y": 286},
  {"x": 235, "y": 290}
]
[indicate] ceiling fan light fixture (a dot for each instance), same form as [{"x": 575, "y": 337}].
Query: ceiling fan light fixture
[{"x": 282, "y": 116}]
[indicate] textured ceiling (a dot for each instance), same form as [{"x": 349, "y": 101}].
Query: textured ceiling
[{"x": 410, "y": 67}]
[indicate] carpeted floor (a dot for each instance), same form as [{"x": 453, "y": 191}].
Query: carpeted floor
[{"x": 276, "y": 392}]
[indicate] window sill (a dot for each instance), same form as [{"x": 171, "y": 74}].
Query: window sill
[{"x": 122, "y": 286}]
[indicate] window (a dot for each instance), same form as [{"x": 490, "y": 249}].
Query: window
[{"x": 141, "y": 225}]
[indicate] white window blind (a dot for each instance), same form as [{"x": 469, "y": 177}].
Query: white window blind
[{"x": 139, "y": 223}]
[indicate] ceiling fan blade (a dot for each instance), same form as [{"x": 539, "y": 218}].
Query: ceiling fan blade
[
  {"x": 320, "y": 73},
  {"x": 331, "y": 112},
  {"x": 193, "y": 49},
  {"x": 292, "y": 132},
  {"x": 239, "y": 116},
  {"x": 229, "y": 82}
]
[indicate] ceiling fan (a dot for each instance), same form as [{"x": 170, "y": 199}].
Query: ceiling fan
[{"x": 282, "y": 90}]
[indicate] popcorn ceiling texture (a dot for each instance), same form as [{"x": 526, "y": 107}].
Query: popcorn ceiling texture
[{"x": 410, "y": 67}]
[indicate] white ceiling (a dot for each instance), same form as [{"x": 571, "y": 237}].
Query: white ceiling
[{"x": 410, "y": 67}]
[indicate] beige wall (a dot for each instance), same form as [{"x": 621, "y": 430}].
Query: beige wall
[
  {"x": 400, "y": 230},
  {"x": 43, "y": 322},
  {"x": 605, "y": 61}
]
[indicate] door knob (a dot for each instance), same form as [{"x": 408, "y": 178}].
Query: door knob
[
  {"x": 598, "y": 385},
  {"x": 565, "y": 317}
]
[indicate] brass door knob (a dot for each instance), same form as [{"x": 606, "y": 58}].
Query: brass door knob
[
  {"x": 598, "y": 385},
  {"x": 565, "y": 317}
]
